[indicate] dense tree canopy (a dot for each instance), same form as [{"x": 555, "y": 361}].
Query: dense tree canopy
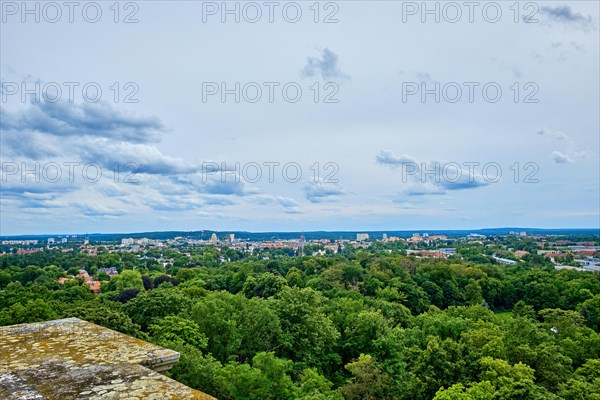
[{"x": 360, "y": 324}]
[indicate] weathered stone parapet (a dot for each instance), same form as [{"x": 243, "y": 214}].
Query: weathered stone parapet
[{"x": 75, "y": 359}]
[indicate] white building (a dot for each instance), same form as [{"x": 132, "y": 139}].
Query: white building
[
  {"x": 361, "y": 237},
  {"x": 504, "y": 260},
  {"x": 448, "y": 251}
]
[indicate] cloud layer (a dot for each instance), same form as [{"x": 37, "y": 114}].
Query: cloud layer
[{"x": 325, "y": 67}]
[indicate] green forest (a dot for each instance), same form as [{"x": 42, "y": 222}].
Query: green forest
[{"x": 361, "y": 324}]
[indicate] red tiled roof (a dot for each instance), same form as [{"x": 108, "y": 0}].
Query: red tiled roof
[
  {"x": 94, "y": 285},
  {"x": 586, "y": 252}
]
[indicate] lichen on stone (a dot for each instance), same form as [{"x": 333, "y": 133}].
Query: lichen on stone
[{"x": 75, "y": 359}]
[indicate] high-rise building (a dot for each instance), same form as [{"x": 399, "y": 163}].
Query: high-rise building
[
  {"x": 127, "y": 241},
  {"x": 302, "y": 243},
  {"x": 361, "y": 237},
  {"x": 213, "y": 238}
]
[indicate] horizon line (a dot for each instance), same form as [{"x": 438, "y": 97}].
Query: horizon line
[{"x": 308, "y": 231}]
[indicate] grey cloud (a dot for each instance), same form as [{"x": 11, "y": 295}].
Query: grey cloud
[
  {"x": 97, "y": 211},
  {"x": 30, "y": 145},
  {"x": 564, "y": 14},
  {"x": 423, "y": 77},
  {"x": 456, "y": 179},
  {"x": 19, "y": 185},
  {"x": 463, "y": 183},
  {"x": 318, "y": 192},
  {"x": 195, "y": 184},
  {"x": 216, "y": 186},
  {"x": 325, "y": 67},
  {"x": 290, "y": 206},
  {"x": 403, "y": 204},
  {"x": 224, "y": 187},
  {"x": 560, "y": 158},
  {"x": 432, "y": 178},
  {"x": 111, "y": 190},
  {"x": 279, "y": 200},
  {"x": 23, "y": 199},
  {"x": 424, "y": 190},
  {"x": 97, "y": 133},
  {"x": 86, "y": 119},
  {"x": 568, "y": 151},
  {"x": 170, "y": 186},
  {"x": 189, "y": 200},
  {"x": 143, "y": 158},
  {"x": 218, "y": 201},
  {"x": 171, "y": 204},
  {"x": 206, "y": 214},
  {"x": 388, "y": 158}
]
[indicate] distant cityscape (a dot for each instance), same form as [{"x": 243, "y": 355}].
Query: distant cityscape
[{"x": 564, "y": 253}]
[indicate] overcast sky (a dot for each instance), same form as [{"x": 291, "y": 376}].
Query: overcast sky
[{"x": 347, "y": 115}]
